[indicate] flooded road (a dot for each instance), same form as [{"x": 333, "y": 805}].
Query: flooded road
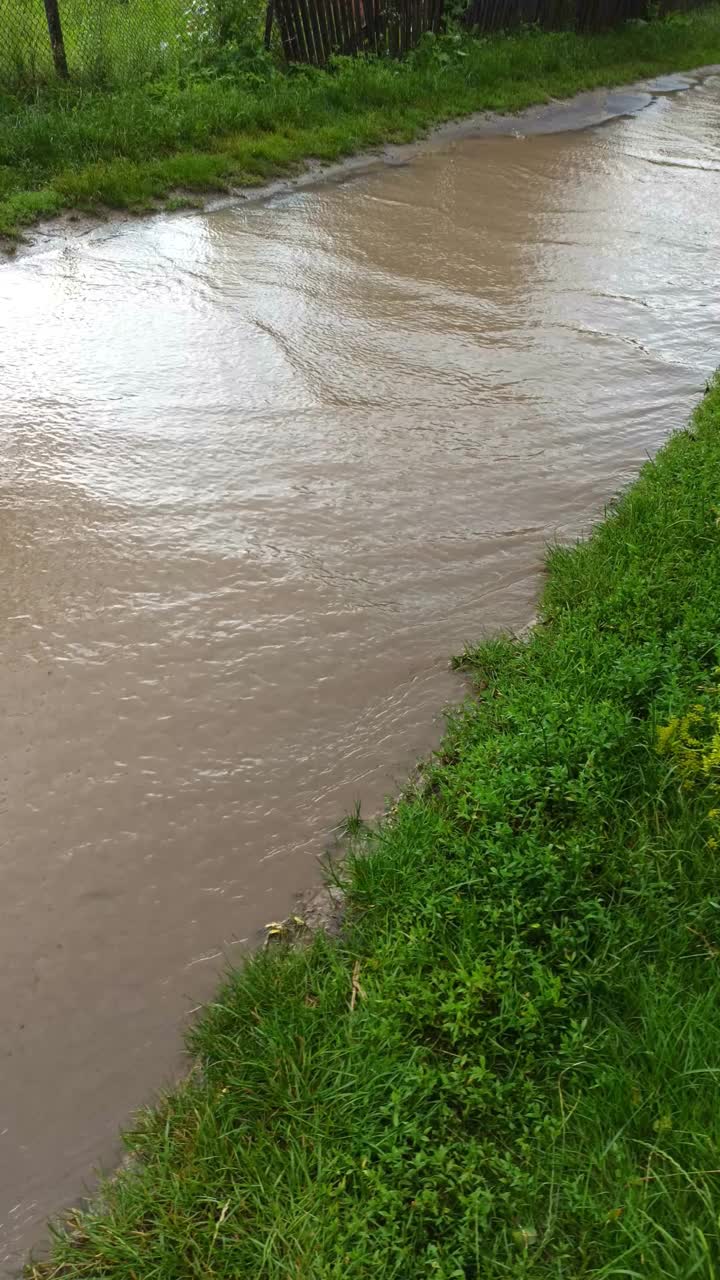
[{"x": 261, "y": 472}]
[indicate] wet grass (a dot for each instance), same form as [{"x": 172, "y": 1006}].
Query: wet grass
[
  {"x": 508, "y": 1065},
  {"x": 107, "y": 44},
  {"x": 91, "y": 150}
]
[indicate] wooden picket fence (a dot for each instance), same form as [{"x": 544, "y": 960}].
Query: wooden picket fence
[{"x": 313, "y": 30}]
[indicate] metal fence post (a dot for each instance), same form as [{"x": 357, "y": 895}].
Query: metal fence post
[
  {"x": 269, "y": 15},
  {"x": 57, "y": 44}
]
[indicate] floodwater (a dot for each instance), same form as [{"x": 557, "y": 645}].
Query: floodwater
[{"x": 261, "y": 472}]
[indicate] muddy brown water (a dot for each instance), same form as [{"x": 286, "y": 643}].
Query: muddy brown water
[{"x": 261, "y": 471}]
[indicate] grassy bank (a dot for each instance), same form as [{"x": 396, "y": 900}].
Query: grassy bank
[
  {"x": 508, "y": 1065},
  {"x": 172, "y": 139}
]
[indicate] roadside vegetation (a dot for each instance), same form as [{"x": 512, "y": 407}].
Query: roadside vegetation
[
  {"x": 234, "y": 119},
  {"x": 507, "y": 1066}
]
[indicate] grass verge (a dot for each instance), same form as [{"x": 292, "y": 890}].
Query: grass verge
[
  {"x": 508, "y": 1064},
  {"x": 131, "y": 149}
]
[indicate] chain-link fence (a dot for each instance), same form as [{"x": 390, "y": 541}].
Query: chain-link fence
[{"x": 91, "y": 41}]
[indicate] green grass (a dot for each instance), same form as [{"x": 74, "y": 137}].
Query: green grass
[
  {"x": 130, "y": 149},
  {"x": 108, "y": 42},
  {"x": 527, "y": 1083}
]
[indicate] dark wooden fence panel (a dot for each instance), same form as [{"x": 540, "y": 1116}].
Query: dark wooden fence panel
[{"x": 313, "y": 30}]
